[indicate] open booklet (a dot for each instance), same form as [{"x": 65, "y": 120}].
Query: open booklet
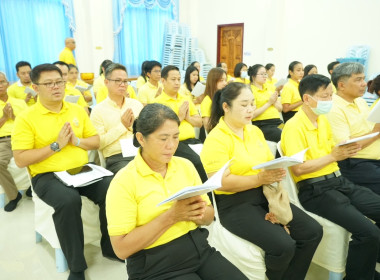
[
  {"x": 83, "y": 179},
  {"x": 281, "y": 82},
  {"x": 283, "y": 161},
  {"x": 72, "y": 98},
  {"x": 31, "y": 91},
  {"x": 353, "y": 140},
  {"x": 374, "y": 114},
  {"x": 215, "y": 182},
  {"x": 83, "y": 89},
  {"x": 198, "y": 90}
]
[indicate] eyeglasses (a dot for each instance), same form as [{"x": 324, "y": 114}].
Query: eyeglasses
[
  {"x": 119, "y": 82},
  {"x": 3, "y": 83},
  {"x": 53, "y": 84}
]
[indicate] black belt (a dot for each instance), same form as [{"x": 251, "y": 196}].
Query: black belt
[
  {"x": 5, "y": 137},
  {"x": 310, "y": 181}
]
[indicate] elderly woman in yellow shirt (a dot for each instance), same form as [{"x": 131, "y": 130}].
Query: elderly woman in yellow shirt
[
  {"x": 268, "y": 107},
  {"x": 241, "y": 203},
  {"x": 162, "y": 242}
]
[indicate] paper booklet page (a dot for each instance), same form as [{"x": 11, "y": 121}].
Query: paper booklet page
[
  {"x": 353, "y": 140},
  {"x": 198, "y": 90},
  {"x": 72, "y": 98},
  {"x": 283, "y": 162}
]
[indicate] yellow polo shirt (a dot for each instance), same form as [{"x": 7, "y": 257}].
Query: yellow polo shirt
[
  {"x": 271, "y": 83},
  {"x": 103, "y": 93},
  {"x": 37, "y": 127},
  {"x": 229, "y": 77},
  {"x": 206, "y": 106},
  {"x": 185, "y": 91},
  {"x": 261, "y": 98},
  {"x": 186, "y": 129},
  {"x": 106, "y": 117},
  {"x": 222, "y": 144},
  {"x": 140, "y": 82},
  {"x": 17, "y": 90},
  {"x": 299, "y": 133},
  {"x": 290, "y": 93},
  {"x": 136, "y": 190},
  {"x": 374, "y": 103},
  {"x": 147, "y": 93},
  {"x": 67, "y": 56},
  {"x": 333, "y": 87},
  {"x": 240, "y": 80},
  {"x": 18, "y": 106},
  {"x": 98, "y": 83},
  {"x": 349, "y": 120},
  {"x": 79, "y": 83},
  {"x": 74, "y": 92}
]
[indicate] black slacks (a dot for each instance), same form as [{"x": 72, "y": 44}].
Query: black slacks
[
  {"x": 349, "y": 205},
  {"x": 67, "y": 204},
  {"x": 188, "y": 257},
  {"x": 116, "y": 162},
  {"x": 270, "y": 129},
  {"x": 288, "y": 115},
  {"x": 185, "y": 151},
  {"x": 287, "y": 256}
]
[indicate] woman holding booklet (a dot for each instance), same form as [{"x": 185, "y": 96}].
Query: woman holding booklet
[
  {"x": 162, "y": 242},
  {"x": 241, "y": 203},
  {"x": 73, "y": 81}
]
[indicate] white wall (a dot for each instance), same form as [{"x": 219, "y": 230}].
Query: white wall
[{"x": 311, "y": 31}]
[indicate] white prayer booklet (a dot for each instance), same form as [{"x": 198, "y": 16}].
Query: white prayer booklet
[
  {"x": 83, "y": 89},
  {"x": 283, "y": 162},
  {"x": 72, "y": 98},
  {"x": 281, "y": 82},
  {"x": 215, "y": 182},
  {"x": 31, "y": 91},
  {"x": 374, "y": 114},
  {"x": 127, "y": 148},
  {"x": 353, "y": 140},
  {"x": 198, "y": 90},
  {"x": 83, "y": 179},
  {"x": 196, "y": 148}
]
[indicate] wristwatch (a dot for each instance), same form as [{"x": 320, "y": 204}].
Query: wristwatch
[{"x": 55, "y": 147}]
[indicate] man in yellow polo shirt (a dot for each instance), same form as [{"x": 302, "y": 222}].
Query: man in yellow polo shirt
[
  {"x": 330, "y": 68},
  {"x": 67, "y": 54},
  {"x": 348, "y": 119},
  {"x": 17, "y": 90},
  {"x": 322, "y": 190},
  {"x": 54, "y": 135},
  {"x": 187, "y": 113},
  {"x": 152, "y": 88},
  {"x": 9, "y": 108},
  {"x": 113, "y": 118}
]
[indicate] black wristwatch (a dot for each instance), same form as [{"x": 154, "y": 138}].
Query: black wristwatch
[{"x": 55, "y": 147}]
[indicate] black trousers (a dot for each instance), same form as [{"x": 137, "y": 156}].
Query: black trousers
[
  {"x": 188, "y": 257},
  {"x": 287, "y": 256},
  {"x": 67, "y": 204},
  {"x": 288, "y": 115},
  {"x": 270, "y": 129},
  {"x": 185, "y": 151},
  {"x": 363, "y": 172},
  {"x": 349, "y": 205},
  {"x": 116, "y": 162}
]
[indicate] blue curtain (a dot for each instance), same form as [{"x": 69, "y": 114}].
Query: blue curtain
[
  {"x": 33, "y": 31},
  {"x": 139, "y": 27}
]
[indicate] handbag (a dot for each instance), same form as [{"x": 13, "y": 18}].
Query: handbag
[{"x": 278, "y": 204}]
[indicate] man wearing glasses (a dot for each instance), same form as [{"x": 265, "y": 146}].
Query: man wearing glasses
[
  {"x": 54, "y": 135},
  {"x": 113, "y": 118}
]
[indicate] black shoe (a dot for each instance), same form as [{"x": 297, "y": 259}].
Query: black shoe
[
  {"x": 13, "y": 203},
  {"x": 28, "y": 192},
  {"x": 76, "y": 275}
]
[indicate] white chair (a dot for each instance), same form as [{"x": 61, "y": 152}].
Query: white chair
[
  {"x": 20, "y": 176},
  {"x": 246, "y": 256},
  {"x": 331, "y": 253}
]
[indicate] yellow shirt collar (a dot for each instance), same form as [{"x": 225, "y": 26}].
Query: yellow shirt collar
[
  {"x": 294, "y": 83},
  {"x": 43, "y": 110},
  {"x": 144, "y": 169}
]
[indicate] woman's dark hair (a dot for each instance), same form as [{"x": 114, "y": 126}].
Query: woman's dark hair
[
  {"x": 104, "y": 65},
  {"x": 252, "y": 71},
  {"x": 308, "y": 68},
  {"x": 292, "y": 65},
  {"x": 71, "y": 66},
  {"x": 144, "y": 69},
  {"x": 151, "y": 117},
  {"x": 269, "y": 66},
  {"x": 193, "y": 63},
  {"x": 227, "y": 95},
  {"x": 238, "y": 69},
  {"x": 213, "y": 76},
  {"x": 374, "y": 85},
  {"x": 219, "y": 64},
  {"x": 190, "y": 70}
]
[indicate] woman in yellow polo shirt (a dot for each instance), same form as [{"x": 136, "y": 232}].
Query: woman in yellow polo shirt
[
  {"x": 241, "y": 73},
  {"x": 99, "y": 81},
  {"x": 224, "y": 66},
  {"x": 290, "y": 96},
  {"x": 143, "y": 78},
  {"x": 191, "y": 79},
  {"x": 241, "y": 203},
  {"x": 268, "y": 107},
  {"x": 271, "y": 68},
  {"x": 72, "y": 80},
  {"x": 162, "y": 242}
]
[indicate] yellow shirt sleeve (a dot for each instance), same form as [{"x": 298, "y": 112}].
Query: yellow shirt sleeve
[{"x": 206, "y": 107}]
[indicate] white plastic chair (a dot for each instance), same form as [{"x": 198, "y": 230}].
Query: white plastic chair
[{"x": 331, "y": 253}]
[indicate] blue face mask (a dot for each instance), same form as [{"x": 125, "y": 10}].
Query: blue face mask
[
  {"x": 323, "y": 107},
  {"x": 244, "y": 74}
]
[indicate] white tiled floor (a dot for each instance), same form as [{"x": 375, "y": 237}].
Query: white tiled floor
[{"x": 22, "y": 258}]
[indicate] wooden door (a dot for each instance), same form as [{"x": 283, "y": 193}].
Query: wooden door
[{"x": 230, "y": 45}]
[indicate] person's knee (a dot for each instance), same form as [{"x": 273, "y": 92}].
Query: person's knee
[
  {"x": 281, "y": 252},
  {"x": 372, "y": 235},
  {"x": 314, "y": 231},
  {"x": 70, "y": 201}
]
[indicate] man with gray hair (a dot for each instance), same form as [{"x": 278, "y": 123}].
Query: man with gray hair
[{"x": 348, "y": 119}]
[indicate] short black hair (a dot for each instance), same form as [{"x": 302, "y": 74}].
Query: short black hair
[
  {"x": 21, "y": 64},
  {"x": 151, "y": 64},
  {"x": 238, "y": 69},
  {"x": 59, "y": 62},
  {"x": 167, "y": 69},
  {"x": 47, "y": 67},
  {"x": 269, "y": 66},
  {"x": 312, "y": 83},
  {"x": 307, "y": 69},
  {"x": 71, "y": 66},
  {"x": 331, "y": 65},
  {"x": 104, "y": 65},
  {"x": 112, "y": 67}
]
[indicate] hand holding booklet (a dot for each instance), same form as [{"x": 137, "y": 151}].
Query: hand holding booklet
[
  {"x": 85, "y": 178},
  {"x": 31, "y": 91},
  {"x": 83, "y": 89},
  {"x": 283, "y": 161},
  {"x": 215, "y": 182},
  {"x": 198, "y": 90},
  {"x": 353, "y": 140},
  {"x": 72, "y": 98}
]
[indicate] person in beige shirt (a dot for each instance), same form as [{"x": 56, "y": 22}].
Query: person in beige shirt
[
  {"x": 348, "y": 119},
  {"x": 113, "y": 118}
]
